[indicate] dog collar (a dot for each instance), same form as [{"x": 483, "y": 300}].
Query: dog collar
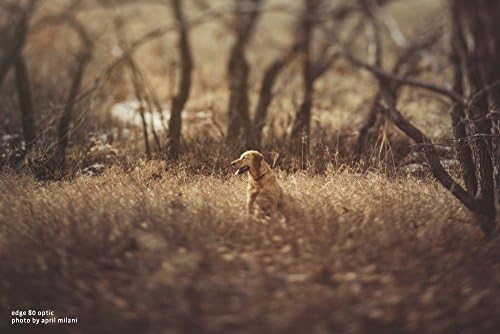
[{"x": 260, "y": 177}]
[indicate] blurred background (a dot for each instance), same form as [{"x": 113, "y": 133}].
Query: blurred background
[{"x": 243, "y": 87}]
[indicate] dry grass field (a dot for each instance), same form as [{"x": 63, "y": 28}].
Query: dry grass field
[{"x": 167, "y": 251}]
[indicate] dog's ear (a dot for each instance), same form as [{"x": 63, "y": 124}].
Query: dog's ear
[{"x": 257, "y": 160}]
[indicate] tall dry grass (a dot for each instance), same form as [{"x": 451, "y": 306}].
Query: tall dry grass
[{"x": 158, "y": 250}]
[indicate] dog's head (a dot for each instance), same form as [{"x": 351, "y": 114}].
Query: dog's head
[{"x": 248, "y": 160}]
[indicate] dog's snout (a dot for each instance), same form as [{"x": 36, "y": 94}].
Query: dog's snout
[{"x": 233, "y": 163}]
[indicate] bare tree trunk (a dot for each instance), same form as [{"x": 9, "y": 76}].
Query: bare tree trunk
[
  {"x": 462, "y": 147},
  {"x": 478, "y": 56},
  {"x": 5, "y": 65},
  {"x": 16, "y": 45},
  {"x": 368, "y": 123},
  {"x": 138, "y": 96},
  {"x": 13, "y": 57},
  {"x": 238, "y": 72},
  {"x": 25, "y": 101},
  {"x": 152, "y": 125},
  {"x": 63, "y": 129},
  {"x": 376, "y": 46},
  {"x": 67, "y": 115},
  {"x": 179, "y": 101},
  {"x": 136, "y": 83},
  {"x": 483, "y": 21},
  {"x": 266, "y": 95},
  {"x": 301, "y": 128},
  {"x": 12, "y": 53},
  {"x": 239, "y": 117}
]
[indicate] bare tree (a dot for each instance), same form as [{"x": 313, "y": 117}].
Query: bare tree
[
  {"x": 375, "y": 46},
  {"x": 246, "y": 13},
  {"x": 266, "y": 95},
  {"x": 302, "y": 124},
  {"x": 405, "y": 65},
  {"x": 313, "y": 65},
  {"x": 458, "y": 117},
  {"x": 136, "y": 82},
  {"x": 83, "y": 58},
  {"x": 13, "y": 58},
  {"x": 17, "y": 40},
  {"x": 475, "y": 45},
  {"x": 182, "y": 95},
  {"x": 475, "y": 118}
]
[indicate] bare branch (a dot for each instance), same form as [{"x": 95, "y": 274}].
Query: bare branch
[
  {"x": 415, "y": 48},
  {"x": 141, "y": 41},
  {"x": 405, "y": 81},
  {"x": 430, "y": 153},
  {"x": 238, "y": 71},
  {"x": 392, "y": 27}
]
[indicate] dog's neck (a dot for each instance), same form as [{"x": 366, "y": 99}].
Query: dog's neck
[{"x": 258, "y": 175}]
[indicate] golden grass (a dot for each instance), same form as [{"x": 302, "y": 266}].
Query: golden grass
[{"x": 171, "y": 251}]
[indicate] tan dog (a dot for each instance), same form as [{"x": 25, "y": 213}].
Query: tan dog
[{"x": 264, "y": 194}]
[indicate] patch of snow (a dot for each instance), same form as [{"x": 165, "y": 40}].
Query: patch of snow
[
  {"x": 414, "y": 169},
  {"x": 128, "y": 113},
  {"x": 7, "y": 137},
  {"x": 92, "y": 169},
  {"x": 450, "y": 163}
]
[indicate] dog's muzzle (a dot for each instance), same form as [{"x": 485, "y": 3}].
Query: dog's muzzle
[{"x": 240, "y": 170}]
